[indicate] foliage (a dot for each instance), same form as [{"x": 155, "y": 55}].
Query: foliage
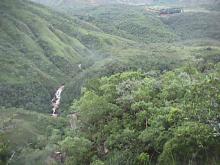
[
  {"x": 150, "y": 85},
  {"x": 163, "y": 120},
  {"x": 77, "y": 149},
  {"x": 32, "y": 138},
  {"x": 34, "y": 61},
  {"x": 4, "y": 151}
]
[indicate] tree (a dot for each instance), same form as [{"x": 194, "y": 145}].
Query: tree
[
  {"x": 76, "y": 149},
  {"x": 192, "y": 142}
]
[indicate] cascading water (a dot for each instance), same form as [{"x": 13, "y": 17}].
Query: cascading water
[{"x": 56, "y": 100}]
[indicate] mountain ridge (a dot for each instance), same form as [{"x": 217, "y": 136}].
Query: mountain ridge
[{"x": 126, "y": 2}]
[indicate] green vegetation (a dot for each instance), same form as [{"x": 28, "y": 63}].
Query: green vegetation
[
  {"x": 29, "y": 137},
  {"x": 34, "y": 61},
  {"x": 128, "y": 22},
  {"x": 34, "y": 58},
  {"x": 4, "y": 151},
  {"x": 136, "y": 23},
  {"x": 193, "y": 25},
  {"x": 41, "y": 49},
  {"x": 169, "y": 119},
  {"x": 147, "y": 92}
]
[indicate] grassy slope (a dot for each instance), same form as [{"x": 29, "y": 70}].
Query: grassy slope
[
  {"x": 137, "y": 24},
  {"x": 32, "y": 136},
  {"x": 39, "y": 49},
  {"x": 193, "y": 24},
  {"x": 32, "y": 57},
  {"x": 127, "y": 21}
]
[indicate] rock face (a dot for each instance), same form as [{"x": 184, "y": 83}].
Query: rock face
[{"x": 73, "y": 121}]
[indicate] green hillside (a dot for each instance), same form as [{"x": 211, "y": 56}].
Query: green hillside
[
  {"x": 31, "y": 136},
  {"x": 35, "y": 56},
  {"x": 147, "y": 91},
  {"x": 191, "y": 25},
  {"x": 141, "y": 25},
  {"x": 127, "y": 21},
  {"x": 40, "y": 49},
  {"x": 166, "y": 38}
]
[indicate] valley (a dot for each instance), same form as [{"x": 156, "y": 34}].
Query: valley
[{"x": 139, "y": 84}]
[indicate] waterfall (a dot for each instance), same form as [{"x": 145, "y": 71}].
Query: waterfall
[{"x": 56, "y": 100}]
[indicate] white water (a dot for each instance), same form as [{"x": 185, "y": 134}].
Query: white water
[
  {"x": 80, "y": 66},
  {"x": 56, "y": 100}
]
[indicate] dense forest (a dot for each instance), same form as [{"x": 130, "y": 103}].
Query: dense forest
[{"x": 140, "y": 87}]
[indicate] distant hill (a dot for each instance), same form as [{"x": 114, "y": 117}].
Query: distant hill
[
  {"x": 199, "y": 1},
  {"x": 93, "y": 2},
  {"x": 127, "y": 2}
]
